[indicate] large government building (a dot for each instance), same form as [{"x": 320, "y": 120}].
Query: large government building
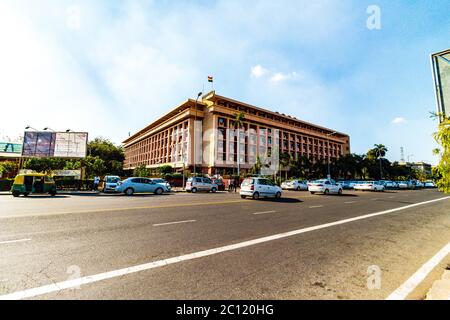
[{"x": 204, "y": 130}]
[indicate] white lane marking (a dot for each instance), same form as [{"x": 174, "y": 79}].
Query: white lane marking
[
  {"x": 256, "y": 213},
  {"x": 314, "y": 207},
  {"x": 14, "y": 241},
  {"x": 175, "y": 222},
  {"x": 374, "y": 199},
  {"x": 391, "y": 197},
  {"x": 59, "y": 286},
  {"x": 348, "y": 202},
  {"x": 406, "y": 288}
]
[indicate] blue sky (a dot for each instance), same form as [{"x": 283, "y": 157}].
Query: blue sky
[{"x": 112, "y": 67}]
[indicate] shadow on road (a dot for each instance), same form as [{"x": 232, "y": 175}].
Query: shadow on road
[
  {"x": 282, "y": 200},
  {"x": 43, "y": 197},
  {"x": 136, "y": 195}
]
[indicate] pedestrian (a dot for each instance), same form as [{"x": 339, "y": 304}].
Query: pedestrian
[{"x": 96, "y": 182}]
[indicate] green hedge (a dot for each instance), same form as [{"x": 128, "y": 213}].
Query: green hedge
[{"x": 6, "y": 184}]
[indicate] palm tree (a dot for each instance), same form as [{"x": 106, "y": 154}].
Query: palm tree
[
  {"x": 380, "y": 151},
  {"x": 238, "y": 122},
  {"x": 285, "y": 161}
]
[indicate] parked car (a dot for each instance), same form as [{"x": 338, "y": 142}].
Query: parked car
[
  {"x": 347, "y": 184},
  {"x": 298, "y": 185},
  {"x": 134, "y": 185},
  {"x": 325, "y": 186},
  {"x": 369, "y": 186},
  {"x": 110, "y": 183},
  {"x": 162, "y": 181},
  {"x": 419, "y": 184},
  {"x": 260, "y": 187},
  {"x": 196, "y": 184},
  {"x": 429, "y": 184},
  {"x": 390, "y": 184},
  {"x": 405, "y": 185}
]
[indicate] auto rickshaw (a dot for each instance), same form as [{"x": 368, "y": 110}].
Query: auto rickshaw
[{"x": 33, "y": 183}]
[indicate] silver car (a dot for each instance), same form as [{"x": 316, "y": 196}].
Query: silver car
[
  {"x": 196, "y": 184},
  {"x": 259, "y": 187}
]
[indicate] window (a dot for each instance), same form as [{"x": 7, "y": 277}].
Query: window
[
  {"x": 262, "y": 182},
  {"x": 222, "y": 122}
]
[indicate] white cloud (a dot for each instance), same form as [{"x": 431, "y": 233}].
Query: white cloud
[
  {"x": 398, "y": 120},
  {"x": 258, "y": 71}
]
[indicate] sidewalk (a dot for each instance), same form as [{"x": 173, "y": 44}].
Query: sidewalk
[
  {"x": 441, "y": 288},
  {"x": 7, "y": 193}
]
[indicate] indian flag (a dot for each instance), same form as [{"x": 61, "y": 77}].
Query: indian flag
[{"x": 210, "y": 79}]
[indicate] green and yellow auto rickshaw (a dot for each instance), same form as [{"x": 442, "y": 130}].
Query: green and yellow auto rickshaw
[{"x": 33, "y": 183}]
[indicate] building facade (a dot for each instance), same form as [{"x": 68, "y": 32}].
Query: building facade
[{"x": 203, "y": 132}]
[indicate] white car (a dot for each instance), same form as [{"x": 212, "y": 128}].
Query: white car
[
  {"x": 390, "y": 185},
  {"x": 325, "y": 186},
  {"x": 419, "y": 184},
  {"x": 369, "y": 186},
  {"x": 405, "y": 185},
  {"x": 162, "y": 181},
  {"x": 429, "y": 184},
  {"x": 196, "y": 184},
  {"x": 297, "y": 185},
  {"x": 259, "y": 188},
  {"x": 110, "y": 183}
]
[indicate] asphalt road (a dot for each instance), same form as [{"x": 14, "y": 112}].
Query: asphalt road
[{"x": 223, "y": 247}]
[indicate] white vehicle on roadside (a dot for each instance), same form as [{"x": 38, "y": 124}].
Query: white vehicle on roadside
[
  {"x": 369, "y": 186},
  {"x": 196, "y": 184},
  {"x": 110, "y": 183},
  {"x": 162, "y": 181},
  {"x": 429, "y": 184},
  {"x": 390, "y": 185},
  {"x": 405, "y": 185},
  {"x": 298, "y": 185},
  {"x": 259, "y": 188},
  {"x": 325, "y": 186}
]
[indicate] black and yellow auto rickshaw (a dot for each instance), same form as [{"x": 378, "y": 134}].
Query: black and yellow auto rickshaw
[{"x": 33, "y": 183}]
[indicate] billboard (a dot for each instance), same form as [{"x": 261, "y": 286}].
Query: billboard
[
  {"x": 9, "y": 147},
  {"x": 441, "y": 75},
  {"x": 54, "y": 144}
]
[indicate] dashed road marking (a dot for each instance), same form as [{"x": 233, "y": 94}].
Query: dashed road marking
[
  {"x": 175, "y": 222},
  {"x": 314, "y": 207},
  {"x": 264, "y": 212},
  {"x": 14, "y": 241}
]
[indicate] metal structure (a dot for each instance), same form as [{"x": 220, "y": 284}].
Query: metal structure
[{"x": 441, "y": 74}]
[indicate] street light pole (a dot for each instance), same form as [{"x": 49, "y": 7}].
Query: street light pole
[
  {"x": 195, "y": 133},
  {"x": 328, "y": 153}
]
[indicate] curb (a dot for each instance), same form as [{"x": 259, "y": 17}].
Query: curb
[{"x": 441, "y": 288}]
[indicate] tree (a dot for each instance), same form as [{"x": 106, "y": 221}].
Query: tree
[
  {"x": 380, "y": 152},
  {"x": 111, "y": 155},
  {"x": 256, "y": 168},
  {"x": 94, "y": 166},
  {"x": 285, "y": 161},
  {"x": 166, "y": 169},
  {"x": 44, "y": 165},
  {"x": 7, "y": 167},
  {"x": 442, "y": 136},
  {"x": 238, "y": 122},
  {"x": 141, "y": 171}
]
